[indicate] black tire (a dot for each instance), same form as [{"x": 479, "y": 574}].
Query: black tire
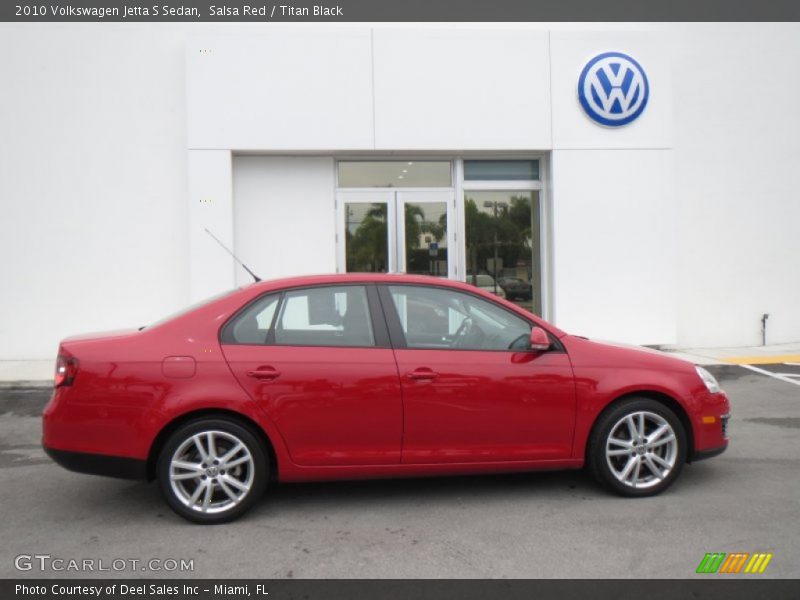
[
  {"x": 252, "y": 471},
  {"x": 608, "y": 469}
]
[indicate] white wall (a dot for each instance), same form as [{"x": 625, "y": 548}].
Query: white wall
[
  {"x": 92, "y": 181},
  {"x": 282, "y": 88},
  {"x": 320, "y": 88},
  {"x": 456, "y": 89},
  {"x": 211, "y": 268},
  {"x": 737, "y": 152},
  {"x": 284, "y": 217},
  {"x": 614, "y": 244}
]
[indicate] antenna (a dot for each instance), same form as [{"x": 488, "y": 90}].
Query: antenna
[{"x": 224, "y": 247}]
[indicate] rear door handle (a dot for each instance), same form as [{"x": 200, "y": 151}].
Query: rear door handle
[
  {"x": 264, "y": 373},
  {"x": 422, "y": 374}
]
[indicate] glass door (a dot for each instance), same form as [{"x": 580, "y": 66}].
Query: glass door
[
  {"x": 425, "y": 228},
  {"x": 366, "y": 231},
  {"x": 385, "y": 231}
]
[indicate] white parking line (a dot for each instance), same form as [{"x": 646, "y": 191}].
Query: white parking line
[{"x": 770, "y": 374}]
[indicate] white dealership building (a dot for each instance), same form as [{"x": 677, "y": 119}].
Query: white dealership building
[{"x": 637, "y": 179}]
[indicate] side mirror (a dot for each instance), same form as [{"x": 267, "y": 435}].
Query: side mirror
[{"x": 540, "y": 342}]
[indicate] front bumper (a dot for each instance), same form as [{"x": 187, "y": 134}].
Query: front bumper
[
  {"x": 99, "y": 464},
  {"x": 710, "y": 453}
]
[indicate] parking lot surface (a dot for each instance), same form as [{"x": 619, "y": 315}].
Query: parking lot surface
[{"x": 522, "y": 526}]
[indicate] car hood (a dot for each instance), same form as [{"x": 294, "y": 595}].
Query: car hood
[{"x": 601, "y": 353}]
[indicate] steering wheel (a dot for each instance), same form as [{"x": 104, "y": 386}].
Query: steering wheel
[{"x": 462, "y": 332}]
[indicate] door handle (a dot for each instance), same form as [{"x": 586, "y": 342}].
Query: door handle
[
  {"x": 423, "y": 374},
  {"x": 267, "y": 374}
]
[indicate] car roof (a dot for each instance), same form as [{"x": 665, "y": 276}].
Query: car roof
[{"x": 396, "y": 278}]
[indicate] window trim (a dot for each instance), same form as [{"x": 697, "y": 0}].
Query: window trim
[
  {"x": 377, "y": 318},
  {"x": 398, "y": 337}
]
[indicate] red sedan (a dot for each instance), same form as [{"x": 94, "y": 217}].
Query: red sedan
[{"x": 357, "y": 376}]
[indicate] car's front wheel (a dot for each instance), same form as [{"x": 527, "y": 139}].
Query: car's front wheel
[
  {"x": 637, "y": 448},
  {"x": 212, "y": 470}
]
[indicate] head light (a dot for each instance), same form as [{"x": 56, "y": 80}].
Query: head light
[{"x": 709, "y": 380}]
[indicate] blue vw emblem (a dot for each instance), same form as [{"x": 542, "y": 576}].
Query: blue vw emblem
[{"x": 613, "y": 89}]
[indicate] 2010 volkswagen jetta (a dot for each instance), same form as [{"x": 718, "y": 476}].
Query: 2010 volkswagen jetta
[{"x": 358, "y": 376}]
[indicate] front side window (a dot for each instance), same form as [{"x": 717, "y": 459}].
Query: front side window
[
  {"x": 436, "y": 318},
  {"x": 325, "y": 316}
]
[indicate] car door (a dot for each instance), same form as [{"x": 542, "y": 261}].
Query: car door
[
  {"x": 317, "y": 360},
  {"x": 472, "y": 390}
]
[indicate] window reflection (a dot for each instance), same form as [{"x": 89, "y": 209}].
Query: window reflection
[
  {"x": 502, "y": 245},
  {"x": 366, "y": 243},
  {"x": 443, "y": 319},
  {"x": 426, "y": 238}
]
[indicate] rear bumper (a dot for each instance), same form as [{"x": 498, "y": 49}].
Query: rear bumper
[{"x": 99, "y": 464}]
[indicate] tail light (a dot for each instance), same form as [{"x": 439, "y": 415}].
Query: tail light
[{"x": 66, "y": 369}]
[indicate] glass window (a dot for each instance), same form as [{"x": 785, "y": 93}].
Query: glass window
[
  {"x": 252, "y": 325},
  {"x": 434, "y": 318},
  {"x": 325, "y": 316},
  {"x": 501, "y": 170},
  {"x": 394, "y": 174},
  {"x": 503, "y": 247}
]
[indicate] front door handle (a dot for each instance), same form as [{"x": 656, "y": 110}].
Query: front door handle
[
  {"x": 422, "y": 374},
  {"x": 266, "y": 373}
]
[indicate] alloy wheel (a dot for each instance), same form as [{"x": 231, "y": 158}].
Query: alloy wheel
[
  {"x": 641, "y": 449},
  {"x": 211, "y": 472}
]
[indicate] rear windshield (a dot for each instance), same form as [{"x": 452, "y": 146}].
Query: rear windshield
[{"x": 190, "y": 308}]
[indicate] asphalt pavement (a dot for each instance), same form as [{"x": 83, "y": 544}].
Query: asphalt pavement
[{"x": 534, "y": 525}]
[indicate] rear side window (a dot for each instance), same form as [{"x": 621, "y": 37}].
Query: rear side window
[
  {"x": 325, "y": 316},
  {"x": 253, "y": 324},
  {"x": 319, "y": 316}
]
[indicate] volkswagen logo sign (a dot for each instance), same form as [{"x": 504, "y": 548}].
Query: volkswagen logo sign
[{"x": 613, "y": 89}]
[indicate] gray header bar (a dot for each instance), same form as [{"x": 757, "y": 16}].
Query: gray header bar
[{"x": 344, "y": 11}]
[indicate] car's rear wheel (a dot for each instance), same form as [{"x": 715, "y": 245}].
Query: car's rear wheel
[
  {"x": 212, "y": 470},
  {"x": 637, "y": 448}
]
